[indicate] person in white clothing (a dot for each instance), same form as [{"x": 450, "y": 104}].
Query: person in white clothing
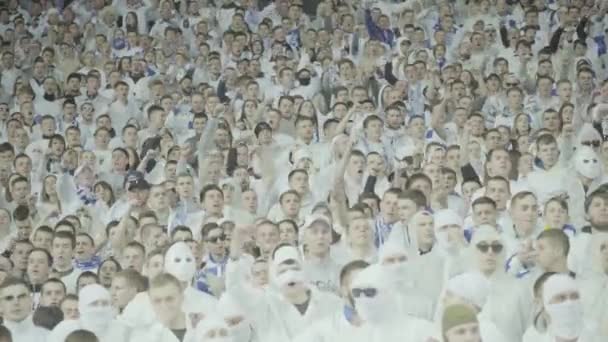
[{"x": 96, "y": 315}]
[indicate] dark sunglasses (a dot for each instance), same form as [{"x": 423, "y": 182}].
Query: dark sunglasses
[
  {"x": 215, "y": 239},
  {"x": 368, "y": 292},
  {"x": 495, "y": 247},
  {"x": 594, "y": 143}
]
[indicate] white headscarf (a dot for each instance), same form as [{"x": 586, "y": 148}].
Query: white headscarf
[
  {"x": 228, "y": 308},
  {"x": 95, "y": 318},
  {"x": 566, "y": 318},
  {"x": 377, "y": 309},
  {"x": 210, "y": 324}
]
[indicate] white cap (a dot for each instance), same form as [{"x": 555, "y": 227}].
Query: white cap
[
  {"x": 90, "y": 294},
  {"x": 407, "y": 150},
  {"x": 471, "y": 286},
  {"x": 314, "y": 218},
  {"x": 302, "y": 153},
  {"x": 286, "y": 253},
  {"x": 447, "y": 217}
]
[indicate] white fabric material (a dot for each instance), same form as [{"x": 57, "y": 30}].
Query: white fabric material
[{"x": 179, "y": 262}]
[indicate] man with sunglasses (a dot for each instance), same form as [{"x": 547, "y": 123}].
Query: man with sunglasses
[
  {"x": 383, "y": 312},
  {"x": 487, "y": 249},
  {"x": 16, "y": 307}
]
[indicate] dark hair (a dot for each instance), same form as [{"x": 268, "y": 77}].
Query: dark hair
[
  {"x": 47, "y": 316},
  {"x": 483, "y": 200},
  {"x": 415, "y": 196},
  {"x": 208, "y": 188},
  {"x": 350, "y": 267},
  {"x": 65, "y": 235},
  {"x": 81, "y": 335},
  {"x": 53, "y": 281},
  {"x": 43, "y": 251}
]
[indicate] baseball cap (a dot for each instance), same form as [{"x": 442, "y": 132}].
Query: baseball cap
[
  {"x": 314, "y": 218},
  {"x": 135, "y": 180}
]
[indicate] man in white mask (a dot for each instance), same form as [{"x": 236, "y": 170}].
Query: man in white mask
[
  {"x": 399, "y": 270},
  {"x": 213, "y": 329},
  {"x": 289, "y": 305},
  {"x": 564, "y": 311},
  {"x": 96, "y": 315},
  {"x": 383, "y": 316},
  {"x": 239, "y": 325},
  {"x": 179, "y": 262},
  {"x": 588, "y": 171}
]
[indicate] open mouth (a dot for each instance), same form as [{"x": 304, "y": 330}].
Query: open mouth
[{"x": 291, "y": 284}]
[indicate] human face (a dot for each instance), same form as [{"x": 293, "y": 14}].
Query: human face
[
  {"x": 555, "y": 216},
  {"x": 288, "y": 233},
  {"x": 158, "y": 199},
  {"x": 121, "y": 292},
  {"x": 133, "y": 258},
  {"x": 267, "y": 237},
  {"x": 360, "y": 232},
  {"x": 487, "y": 261},
  {"x": 500, "y": 163},
  {"x": 299, "y": 183},
  {"x": 52, "y": 294},
  {"x": 19, "y": 255},
  {"x": 424, "y": 230},
  {"x": 525, "y": 213},
  {"x": 84, "y": 248},
  {"x": 38, "y": 267},
  {"x": 499, "y": 192},
  {"x": 167, "y": 302},
  {"x": 215, "y": 242},
  {"x": 70, "y": 309},
  {"x": 546, "y": 255},
  {"x": 107, "y": 272},
  {"x": 484, "y": 214},
  {"x": 15, "y": 303},
  {"x": 389, "y": 208},
  {"x": 291, "y": 205},
  {"x": 464, "y": 333},
  {"x": 214, "y": 202},
  {"x": 598, "y": 213},
  {"x": 317, "y": 238},
  {"x": 155, "y": 266},
  {"x": 62, "y": 251},
  {"x": 407, "y": 209},
  {"x": 548, "y": 154}
]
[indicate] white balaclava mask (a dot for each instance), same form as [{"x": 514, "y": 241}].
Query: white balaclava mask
[
  {"x": 565, "y": 318},
  {"x": 587, "y": 163},
  {"x": 234, "y": 315},
  {"x": 179, "y": 262},
  {"x": 288, "y": 277},
  {"x": 372, "y": 296},
  {"x": 213, "y": 329},
  {"x": 470, "y": 286},
  {"x": 397, "y": 272},
  {"x": 94, "y": 305},
  {"x": 446, "y": 217}
]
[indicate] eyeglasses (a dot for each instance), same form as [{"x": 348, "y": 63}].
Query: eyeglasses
[
  {"x": 495, "y": 247},
  {"x": 216, "y": 239},
  {"x": 368, "y": 292},
  {"x": 594, "y": 143}
]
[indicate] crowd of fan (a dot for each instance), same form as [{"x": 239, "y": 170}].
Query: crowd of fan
[{"x": 304, "y": 170}]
